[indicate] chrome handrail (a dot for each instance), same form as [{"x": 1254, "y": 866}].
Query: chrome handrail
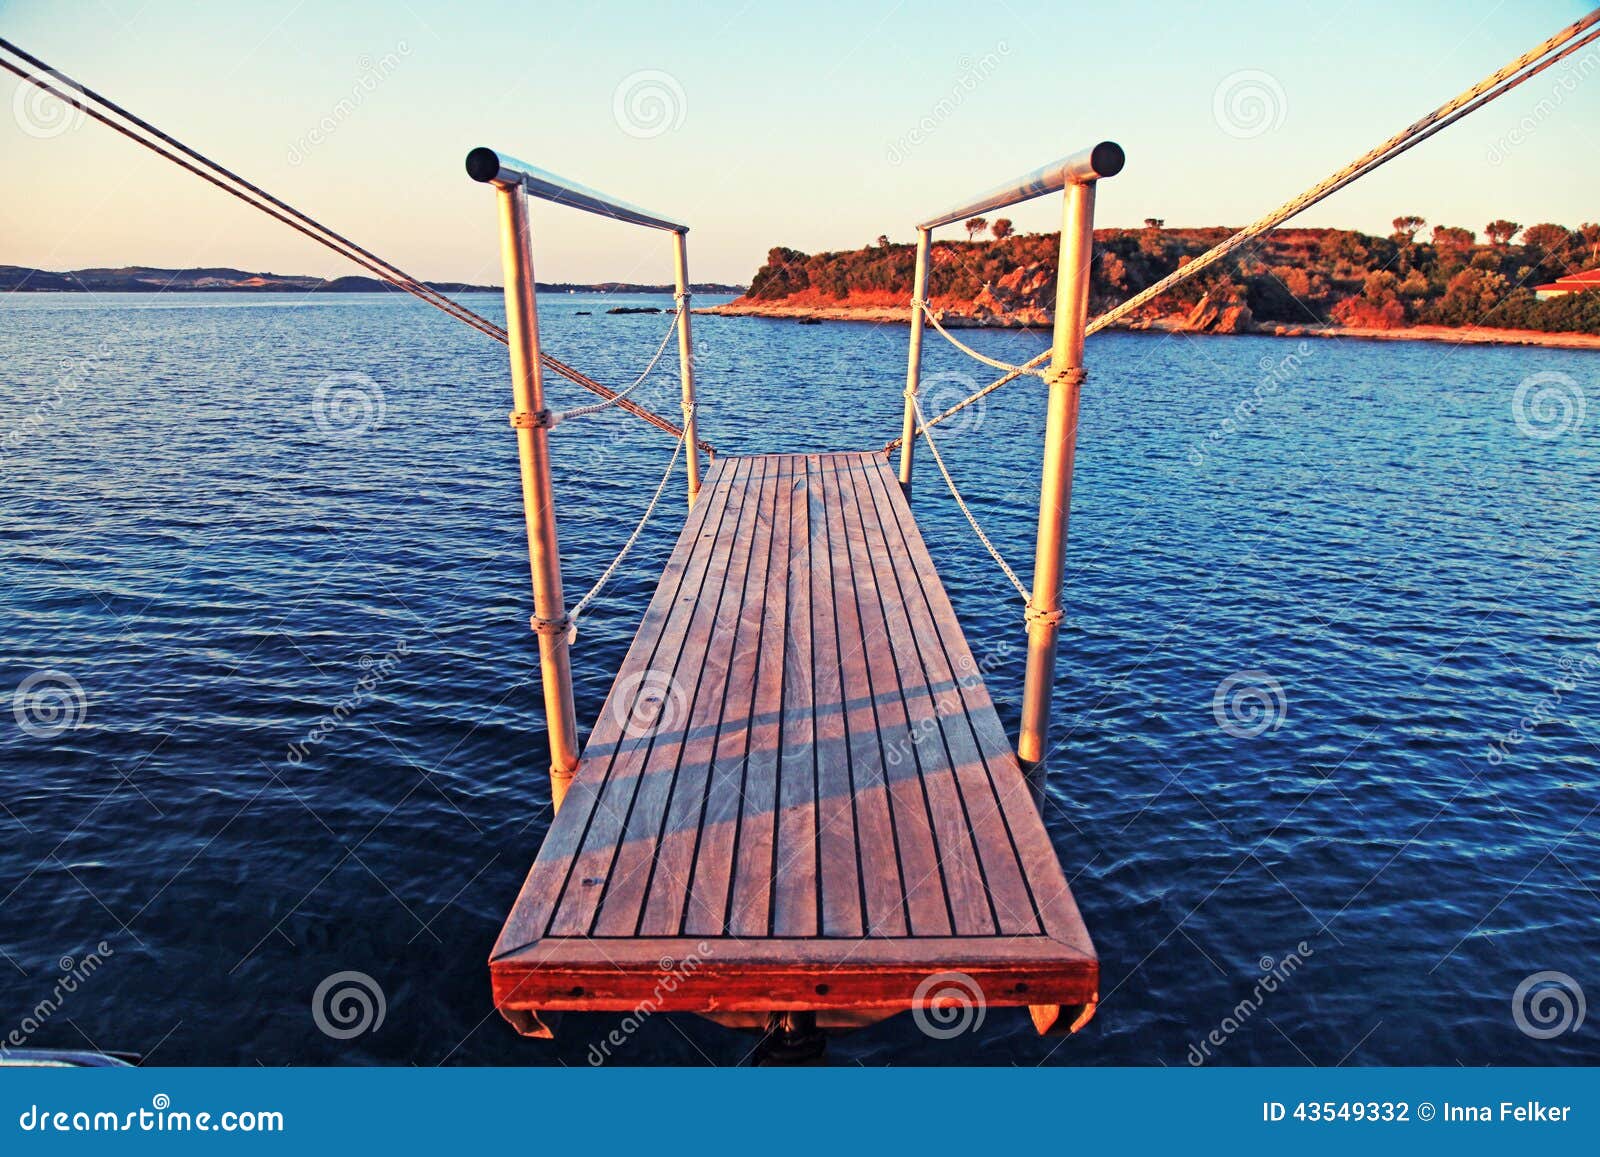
[
  {"x": 492, "y": 167},
  {"x": 1076, "y": 177},
  {"x": 1102, "y": 160},
  {"x": 514, "y": 182}
]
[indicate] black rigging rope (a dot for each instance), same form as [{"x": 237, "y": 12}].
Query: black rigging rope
[{"x": 176, "y": 151}]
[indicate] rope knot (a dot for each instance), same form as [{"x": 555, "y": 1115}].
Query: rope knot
[
  {"x": 1036, "y": 614},
  {"x": 1071, "y": 376},
  {"x": 562, "y": 626},
  {"x": 533, "y": 419}
]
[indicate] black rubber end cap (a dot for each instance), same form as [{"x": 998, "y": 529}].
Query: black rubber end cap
[
  {"x": 484, "y": 164},
  {"x": 1107, "y": 158}
]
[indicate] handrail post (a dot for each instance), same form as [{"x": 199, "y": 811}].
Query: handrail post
[
  {"x": 538, "y": 501},
  {"x": 680, "y": 253},
  {"x": 919, "y": 294},
  {"x": 1060, "y": 441}
]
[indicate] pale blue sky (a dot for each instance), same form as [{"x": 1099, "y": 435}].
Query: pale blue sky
[{"x": 816, "y": 125}]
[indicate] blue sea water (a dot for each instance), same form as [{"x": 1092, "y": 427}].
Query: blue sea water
[{"x": 1325, "y": 773}]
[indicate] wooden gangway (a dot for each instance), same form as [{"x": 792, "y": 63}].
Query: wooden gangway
[
  {"x": 798, "y": 799},
  {"x": 798, "y": 795}
]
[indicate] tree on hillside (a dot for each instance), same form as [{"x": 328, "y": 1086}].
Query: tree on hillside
[
  {"x": 1002, "y": 228},
  {"x": 1589, "y": 234},
  {"x": 1551, "y": 238},
  {"x": 1405, "y": 228},
  {"x": 883, "y": 241},
  {"x": 1452, "y": 240},
  {"x": 974, "y": 226},
  {"x": 782, "y": 275},
  {"x": 1154, "y": 223},
  {"x": 1501, "y": 232}
]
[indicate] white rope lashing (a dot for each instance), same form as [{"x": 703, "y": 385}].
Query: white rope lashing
[
  {"x": 967, "y": 510},
  {"x": 605, "y": 576},
  {"x": 585, "y": 411}
]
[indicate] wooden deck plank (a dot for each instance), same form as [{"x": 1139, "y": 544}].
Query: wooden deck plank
[
  {"x": 1003, "y": 874},
  {"x": 798, "y": 780},
  {"x": 1052, "y": 898},
  {"x": 642, "y": 693},
  {"x": 679, "y": 841},
  {"x": 927, "y": 908},
  {"x": 546, "y": 880},
  {"x": 882, "y": 887},
  {"x": 750, "y": 907},
  {"x": 837, "y": 844},
  {"x": 794, "y": 870},
  {"x": 691, "y": 703},
  {"x": 713, "y": 871},
  {"x": 965, "y": 890}
]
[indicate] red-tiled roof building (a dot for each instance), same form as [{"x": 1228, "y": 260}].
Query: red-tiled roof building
[{"x": 1572, "y": 283}]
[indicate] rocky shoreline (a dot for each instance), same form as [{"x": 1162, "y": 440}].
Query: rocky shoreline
[{"x": 1204, "y": 319}]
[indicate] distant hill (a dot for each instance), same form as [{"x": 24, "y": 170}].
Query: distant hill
[
  {"x": 1299, "y": 277},
  {"x": 145, "y": 279}
]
